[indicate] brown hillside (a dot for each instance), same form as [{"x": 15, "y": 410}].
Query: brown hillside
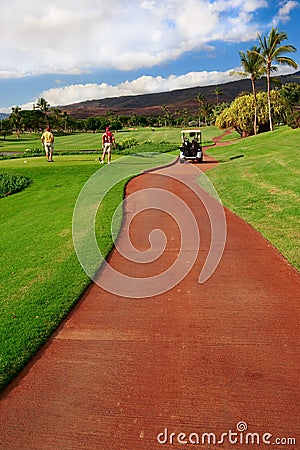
[{"x": 150, "y": 104}]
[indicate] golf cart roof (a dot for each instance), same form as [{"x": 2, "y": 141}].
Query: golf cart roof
[{"x": 191, "y": 131}]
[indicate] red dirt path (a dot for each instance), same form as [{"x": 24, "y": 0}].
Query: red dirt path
[{"x": 198, "y": 358}]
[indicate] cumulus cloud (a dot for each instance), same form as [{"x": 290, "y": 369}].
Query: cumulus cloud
[
  {"x": 285, "y": 12},
  {"x": 75, "y": 36}
]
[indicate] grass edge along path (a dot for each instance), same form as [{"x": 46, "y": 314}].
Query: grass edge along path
[
  {"x": 41, "y": 278},
  {"x": 258, "y": 179}
]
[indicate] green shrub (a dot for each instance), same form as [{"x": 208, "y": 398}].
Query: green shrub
[
  {"x": 33, "y": 151},
  {"x": 11, "y": 183},
  {"x": 293, "y": 119},
  {"x": 126, "y": 143}
]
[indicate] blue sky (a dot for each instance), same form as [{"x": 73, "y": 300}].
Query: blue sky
[{"x": 74, "y": 50}]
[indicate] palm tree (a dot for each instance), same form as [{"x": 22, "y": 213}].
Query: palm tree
[
  {"x": 218, "y": 91},
  {"x": 56, "y": 117},
  {"x": 207, "y": 109},
  {"x": 65, "y": 120},
  {"x": 177, "y": 113},
  {"x": 253, "y": 65},
  {"x": 272, "y": 50},
  {"x": 166, "y": 113},
  {"x": 16, "y": 119},
  {"x": 201, "y": 99},
  {"x": 43, "y": 106}
]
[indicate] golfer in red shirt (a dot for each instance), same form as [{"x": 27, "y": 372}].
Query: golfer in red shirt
[{"x": 108, "y": 140}]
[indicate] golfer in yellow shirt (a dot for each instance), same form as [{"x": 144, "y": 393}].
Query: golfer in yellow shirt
[{"x": 48, "y": 143}]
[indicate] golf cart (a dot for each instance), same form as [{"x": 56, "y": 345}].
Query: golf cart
[{"x": 191, "y": 146}]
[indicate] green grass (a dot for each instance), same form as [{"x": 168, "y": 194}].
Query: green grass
[
  {"x": 69, "y": 142},
  {"x": 41, "y": 278},
  {"x": 37, "y": 257},
  {"x": 13, "y": 144},
  {"x": 92, "y": 141},
  {"x": 172, "y": 135},
  {"x": 261, "y": 184},
  {"x": 233, "y": 136}
]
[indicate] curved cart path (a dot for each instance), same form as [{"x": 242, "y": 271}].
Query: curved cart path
[{"x": 197, "y": 358}]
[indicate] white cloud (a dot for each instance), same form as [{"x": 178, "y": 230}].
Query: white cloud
[
  {"x": 74, "y": 36},
  {"x": 285, "y": 11}
]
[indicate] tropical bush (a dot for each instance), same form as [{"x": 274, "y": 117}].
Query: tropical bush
[
  {"x": 293, "y": 119},
  {"x": 126, "y": 143},
  {"x": 240, "y": 113},
  {"x": 33, "y": 152},
  {"x": 11, "y": 183},
  {"x": 291, "y": 92}
]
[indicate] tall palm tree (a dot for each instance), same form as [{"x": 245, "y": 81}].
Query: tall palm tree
[
  {"x": 201, "y": 99},
  {"x": 218, "y": 91},
  {"x": 184, "y": 113},
  {"x": 207, "y": 109},
  {"x": 253, "y": 65},
  {"x": 272, "y": 50},
  {"x": 166, "y": 114},
  {"x": 43, "y": 106},
  {"x": 16, "y": 119},
  {"x": 56, "y": 117},
  {"x": 65, "y": 120}
]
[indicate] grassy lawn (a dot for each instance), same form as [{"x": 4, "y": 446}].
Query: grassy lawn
[
  {"x": 41, "y": 277},
  {"x": 171, "y": 135},
  {"x": 261, "y": 184},
  {"x": 92, "y": 141},
  {"x": 233, "y": 136}
]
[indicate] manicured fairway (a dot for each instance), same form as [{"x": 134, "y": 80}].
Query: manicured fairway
[
  {"x": 92, "y": 141},
  {"x": 40, "y": 276},
  {"x": 258, "y": 178}
]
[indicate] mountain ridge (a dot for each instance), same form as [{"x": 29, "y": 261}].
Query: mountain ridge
[{"x": 151, "y": 104}]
